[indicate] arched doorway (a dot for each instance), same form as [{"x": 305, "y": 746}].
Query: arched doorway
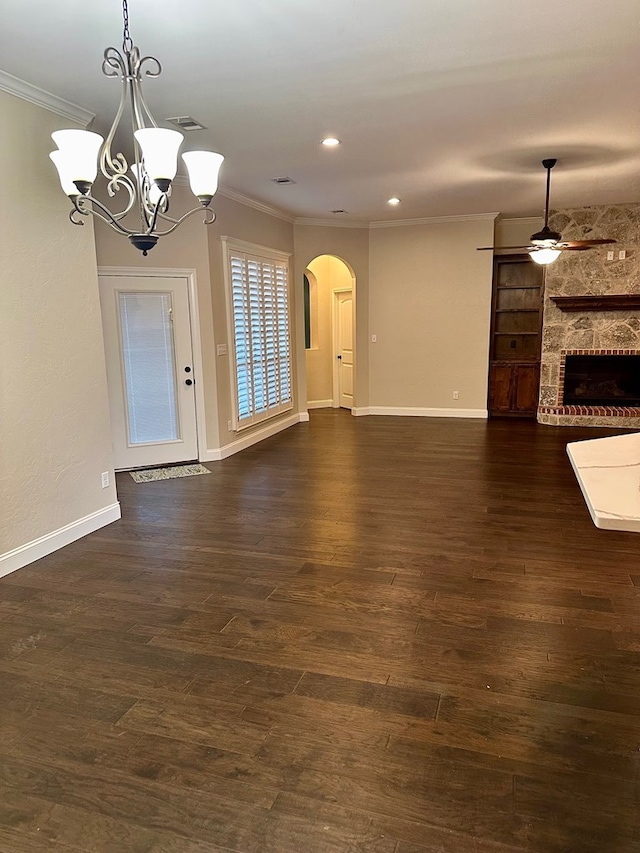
[{"x": 330, "y": 333}]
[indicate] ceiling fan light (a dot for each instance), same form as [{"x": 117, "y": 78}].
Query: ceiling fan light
[
  {"x": 203, "y": 168},
  {"x": 79, "y": 150},
  {"x": 545, "y": 256},
  {"x": 159, "y": 148}
]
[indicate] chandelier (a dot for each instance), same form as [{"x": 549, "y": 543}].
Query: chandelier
[{"x": 147, "y": 182}]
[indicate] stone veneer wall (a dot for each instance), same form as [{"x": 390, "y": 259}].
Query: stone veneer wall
[{"x": 580, "y": 273}]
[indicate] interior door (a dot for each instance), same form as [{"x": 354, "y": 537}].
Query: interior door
[
  {"x": 147, "y": 334},
  {"x": 344, "y": 347}
]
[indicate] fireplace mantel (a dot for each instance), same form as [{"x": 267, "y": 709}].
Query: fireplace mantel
[{"x": 604, "y": 302}]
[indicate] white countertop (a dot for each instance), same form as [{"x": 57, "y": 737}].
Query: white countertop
[{"x": 608, "y": 471}]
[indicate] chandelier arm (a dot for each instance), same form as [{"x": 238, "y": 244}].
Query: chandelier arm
[
  {"x": 105, "y": 213},
  {"x": 151, "y": 225},
  {"x": 112, "y": 167},
  {"x": 166, "y": 218},
  {"x": 116, "y": 182},
  {"x": 142, "y": 114},
  {"x": 72, "y": 215},
  {"x": 209, "y": 219}
]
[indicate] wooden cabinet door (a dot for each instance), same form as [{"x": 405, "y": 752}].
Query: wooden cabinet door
[
  {"x": 525, "y": 390},
  {"x": 500, "y": 380}
]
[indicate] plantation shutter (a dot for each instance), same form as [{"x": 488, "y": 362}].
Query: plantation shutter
[{"x": 260, "y": 313}]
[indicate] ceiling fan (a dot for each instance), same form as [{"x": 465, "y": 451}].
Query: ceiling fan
[{"x": 546, "y": 245}]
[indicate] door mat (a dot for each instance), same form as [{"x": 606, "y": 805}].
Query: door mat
[{"x": 168, "y": 473}]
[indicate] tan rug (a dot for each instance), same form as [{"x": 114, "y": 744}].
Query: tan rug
[{"x": 171, "y": 473}]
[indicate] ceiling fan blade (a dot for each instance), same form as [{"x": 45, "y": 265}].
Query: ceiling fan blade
[
  {"x": 501, "y": 248},
  {"x": 571, "y": 244},
  {"x": 573, "y": 248}
]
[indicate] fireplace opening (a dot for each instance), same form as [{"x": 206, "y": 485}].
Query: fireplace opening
[{"x": 602, "y": 380}]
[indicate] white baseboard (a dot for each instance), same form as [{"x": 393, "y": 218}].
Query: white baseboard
[
  {"x": 320, "y": 404},
  {"x": 411, "y": 411},
  {"x": 218, "y": 453},
  {"x": 38, "y": 548},
  {"x": 359, "y": 411}
]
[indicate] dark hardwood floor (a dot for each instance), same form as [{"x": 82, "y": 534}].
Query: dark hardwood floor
[{"x": 386, "y": 635}]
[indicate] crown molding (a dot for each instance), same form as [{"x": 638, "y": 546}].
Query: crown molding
[
  {"x": 248, "y": 201},
  {"x": 534, "y": 220},
  {"x": 433, "y": 220},
  {"x": 41, "y": 98},
  {"x": 330, "y": 223}
]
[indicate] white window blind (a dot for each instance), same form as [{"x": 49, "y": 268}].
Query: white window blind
[
  {"x": 148, "y": 356},
  {"x": 260, "y": 314}
]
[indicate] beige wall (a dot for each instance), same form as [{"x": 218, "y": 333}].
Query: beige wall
[
  {"x": 54, "y": 416},
  {"x": 350, "y": 245},
  {"x": 430, "y": 306},
  {"x": 186, "y": 248},
  {"x": 330, "y": 274},
  {"x": 198, "y": 247},
  {"x": 516, "y": 232}
]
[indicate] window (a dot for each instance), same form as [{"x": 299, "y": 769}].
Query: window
[{"x": 258, "y": 296}]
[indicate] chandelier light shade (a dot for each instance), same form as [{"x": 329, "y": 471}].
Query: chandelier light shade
[
  {"x": 147, "y": 182},
  {"x": 65, "y": 166},
  {"x": 203, "y": 168},
  {"x": 79, "y": 150},
  {"x": 159, "y": 152}
]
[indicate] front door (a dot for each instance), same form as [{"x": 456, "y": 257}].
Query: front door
[
  {"x": 344, "y": 347},
  {"x": 147, "y": 334}
]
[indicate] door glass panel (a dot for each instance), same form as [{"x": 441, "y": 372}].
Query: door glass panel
[{"x": 149, "y": 367}]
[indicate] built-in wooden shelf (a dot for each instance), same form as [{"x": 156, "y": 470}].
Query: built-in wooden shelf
[{"x": 608, "y": 302}]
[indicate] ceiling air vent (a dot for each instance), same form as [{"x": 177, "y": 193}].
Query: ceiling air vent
[
  {"x": 186, "y": 123},
  {"x": 340, "y": 210},
  {"x": 283, "y": 180}
]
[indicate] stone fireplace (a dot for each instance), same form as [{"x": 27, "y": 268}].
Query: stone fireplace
[{"x": 590, "y": 369}]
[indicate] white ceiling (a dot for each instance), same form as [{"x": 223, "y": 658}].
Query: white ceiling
[{"x": 449, "y": 104}]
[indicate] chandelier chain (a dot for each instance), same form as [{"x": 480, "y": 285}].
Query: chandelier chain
[{"x": 127, "y": 41}]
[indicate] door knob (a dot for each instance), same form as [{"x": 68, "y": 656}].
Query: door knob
[
  {"x": 340, "y": 358},
  {"x": 187, "y": 370},
  {"x": 188, "y": 381}
]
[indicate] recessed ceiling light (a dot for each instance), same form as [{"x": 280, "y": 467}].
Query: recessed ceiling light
[
  {"x": 395, "y": 200},
  {"x": 331, "y": 142}
]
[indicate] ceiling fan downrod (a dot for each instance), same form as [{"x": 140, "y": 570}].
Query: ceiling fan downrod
[{"x": 546, "y": 236}]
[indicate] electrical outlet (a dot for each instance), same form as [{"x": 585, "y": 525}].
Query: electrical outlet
[
  {"x": 221, "y": 349},
  {"x": 610, "y": 256},
  {"x": 622, "y": 255},
  {"x": 374, "y": 339},
  {"x": 105, "y": 479},
  {"x": 456, "y": 395}
]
